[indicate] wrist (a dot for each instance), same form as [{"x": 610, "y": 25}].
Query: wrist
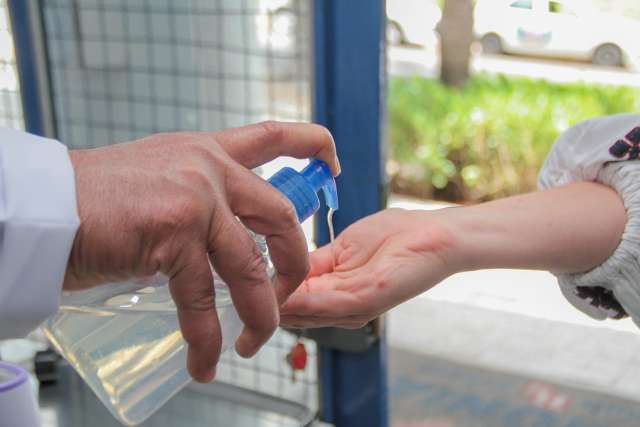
[
  {"x": 471, "y": 238},
  {"x": 444, "y": 227},
  {"x": 73, "y": 279}
]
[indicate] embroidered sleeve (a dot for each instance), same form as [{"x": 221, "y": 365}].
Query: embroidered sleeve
[{"x": 605, "y": 150}]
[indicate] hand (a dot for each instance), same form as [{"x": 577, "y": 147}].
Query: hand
[
  {"x": 389, "y": 257},
  {"x": 168, "y": 203},
  {"x": 380, "y": 261}
]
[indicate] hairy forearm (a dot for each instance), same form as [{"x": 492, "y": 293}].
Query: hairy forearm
[{"x": 568, "y": 229}]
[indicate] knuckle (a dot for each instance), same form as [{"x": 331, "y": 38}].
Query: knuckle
[
  {"x": 286, "y": 213},
  {"x": 206, "y": 153},
  {"x": 265, "y": 322},
  {"x": 180, "y": 216},
  {"x": 326, "y": 133},
  {"x": 254, "y": 269},
  {"x": 196, "y": 334},
  {"x": 273, "y": 130},
  {"x": 186, "y": 209},
  {"x": 195, "y": 178},
  {"x": 197, "y": 301},
  {"x": 160, "y": 260},
  {"x": 269, "y": 325}
]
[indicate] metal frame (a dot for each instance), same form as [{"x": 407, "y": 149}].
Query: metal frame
[
  {"x": 31, "y": 61},
  {"x": 350, "y": 91}
]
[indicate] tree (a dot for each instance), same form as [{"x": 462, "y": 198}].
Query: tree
[{"x": 456, "y": 37}]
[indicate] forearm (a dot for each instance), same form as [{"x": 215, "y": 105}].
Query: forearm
[{"x": 568, "y": 230}]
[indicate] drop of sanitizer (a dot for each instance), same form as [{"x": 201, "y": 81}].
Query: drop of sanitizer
[{"x": 332, "y": 236}]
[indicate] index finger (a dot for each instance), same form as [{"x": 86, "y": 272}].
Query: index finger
[
  {"x": 256, "y": 144},
  {"x": 268, "y": 212}
]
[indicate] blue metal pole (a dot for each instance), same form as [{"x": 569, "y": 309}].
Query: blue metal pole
[
  {"x": 350, "y": 93},
  {"x": 31, "y": 84}
]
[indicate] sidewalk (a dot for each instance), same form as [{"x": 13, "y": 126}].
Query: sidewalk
[{"x": 410, "y": 61}]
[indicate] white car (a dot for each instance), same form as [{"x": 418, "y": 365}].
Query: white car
[
  {"x": 412, "y": 22},
  {"x": 573, "y": 29}
]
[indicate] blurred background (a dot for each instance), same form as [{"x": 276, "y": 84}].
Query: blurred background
[
  {"x": 478, "y": 94},
  {"x": 479, "y": 90}
]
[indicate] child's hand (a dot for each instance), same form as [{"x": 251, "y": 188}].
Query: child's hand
[
  {"x": 392, "y": 256},
  {"x": 380, "y": 261}
]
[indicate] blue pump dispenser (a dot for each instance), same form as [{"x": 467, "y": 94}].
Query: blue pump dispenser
[{"x": 301, "y": 188}]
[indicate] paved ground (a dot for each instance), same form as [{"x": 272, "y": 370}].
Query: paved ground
[
  {"x": 432, "y": 392},
  {"x": 477, "y": 346}
]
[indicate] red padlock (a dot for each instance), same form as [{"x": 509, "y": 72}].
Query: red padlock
[{"x": 298, "y": 357}]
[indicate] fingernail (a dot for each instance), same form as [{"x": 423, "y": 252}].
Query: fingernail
[
  {"x": 206, "y": 377},
  {"x": 209, "y": 376}
]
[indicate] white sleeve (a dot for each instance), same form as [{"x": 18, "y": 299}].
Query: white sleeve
[
  {"x": 604, "y": 150},
  {"x": 38, "y": 222}
]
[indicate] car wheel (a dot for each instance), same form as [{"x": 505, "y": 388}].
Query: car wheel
[
  {"x": 608, "y": 55},
  {"x": 395, "y": 36},
  {"x": 491, "y": 44}
]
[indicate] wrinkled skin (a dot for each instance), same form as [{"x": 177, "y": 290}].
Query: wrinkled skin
[{"x": 170, "y": 203}]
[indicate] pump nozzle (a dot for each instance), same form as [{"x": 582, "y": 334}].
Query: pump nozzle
[
  {"x": 301, "y": 187},
  {"x": 319, "y": 176}
]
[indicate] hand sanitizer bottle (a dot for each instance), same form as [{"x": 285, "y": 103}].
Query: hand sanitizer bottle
[{"x": 124, "y": 338}]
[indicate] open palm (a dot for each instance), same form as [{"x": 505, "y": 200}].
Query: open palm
[{"x": 374, "y": 265}]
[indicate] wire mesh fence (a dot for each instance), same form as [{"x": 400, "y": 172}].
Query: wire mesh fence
[
  {"x": 123, "y": 69},
  {"x": 10, "y": 103}
]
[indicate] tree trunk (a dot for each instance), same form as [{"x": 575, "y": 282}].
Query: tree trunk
[{"x": 456, "y": 36}]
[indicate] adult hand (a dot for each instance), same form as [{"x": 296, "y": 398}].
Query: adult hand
[
  {"x": 169, "y": 203},
  {"x": 380, "y": 261}
]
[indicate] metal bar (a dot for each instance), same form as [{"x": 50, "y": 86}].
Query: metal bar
[
  {"x": 26, "y": 23},
  {"x": 350, "y": 100}
]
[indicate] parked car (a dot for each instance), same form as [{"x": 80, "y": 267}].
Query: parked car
[
  {"x": 573, "y": 29},
  {"x": 412, "y": 22}
]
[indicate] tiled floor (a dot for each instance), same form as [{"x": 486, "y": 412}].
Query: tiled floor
[
  {"x": 70, "y": 403},
  {"x": 483, "y": 336},
  {"x": 432, "y": 392}
]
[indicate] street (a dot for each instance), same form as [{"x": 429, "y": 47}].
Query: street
[{"x": 415, "y": 61}]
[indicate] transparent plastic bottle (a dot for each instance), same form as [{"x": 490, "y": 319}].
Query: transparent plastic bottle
[{"x": 124, "y": 339}]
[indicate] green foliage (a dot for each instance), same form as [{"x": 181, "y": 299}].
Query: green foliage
[{"x": 489, "y": 139}]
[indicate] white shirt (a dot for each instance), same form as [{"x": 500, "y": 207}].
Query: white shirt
[
  {"x": 605, "y": 150},
  {"x": 38, "y": 222}
]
